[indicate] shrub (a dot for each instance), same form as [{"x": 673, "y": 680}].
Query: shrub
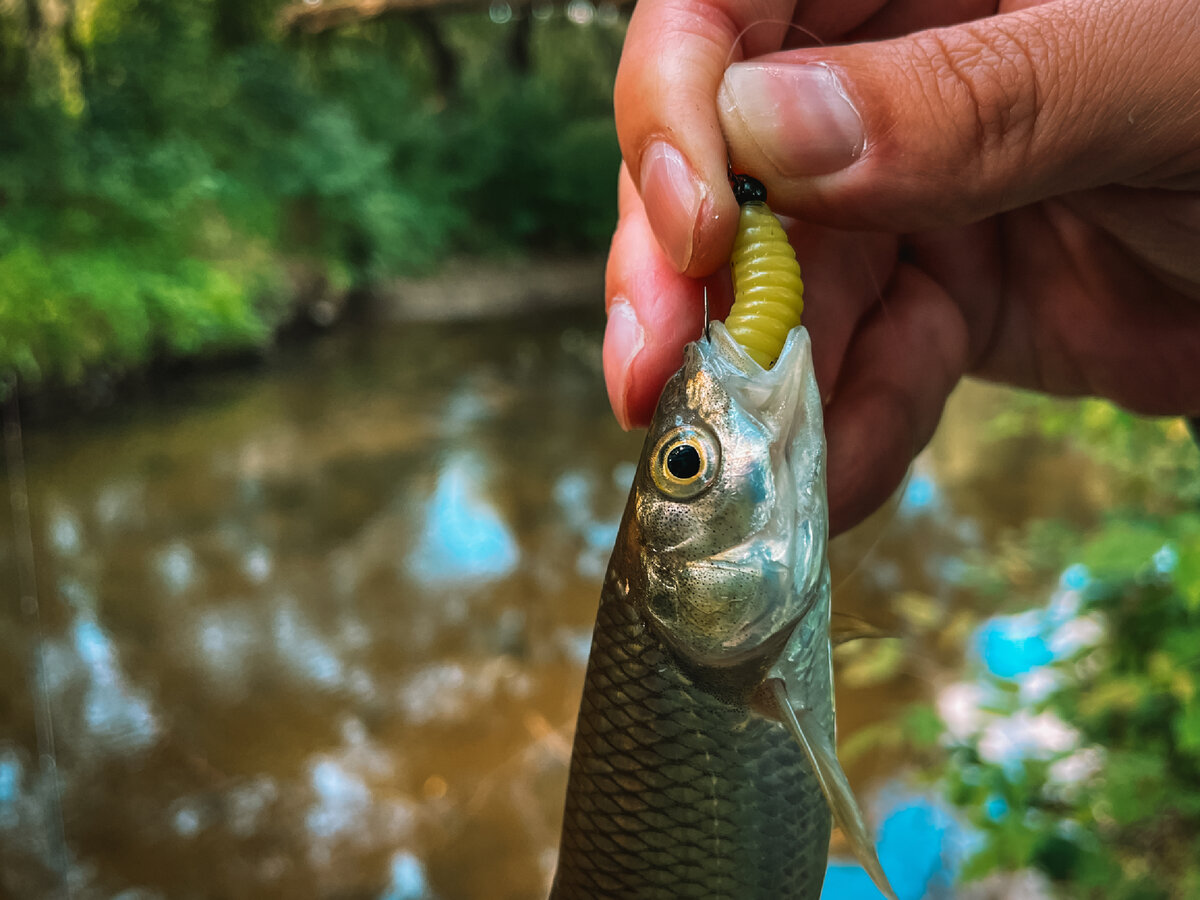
[{"x": 162, "y": 163}]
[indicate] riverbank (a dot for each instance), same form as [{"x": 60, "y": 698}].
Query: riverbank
[
  {"x": 485, "y": 288},
  {"x": 464, "y": 289},
  {"x": 181, "y": 185}
]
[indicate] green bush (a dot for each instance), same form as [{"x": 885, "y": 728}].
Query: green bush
[
  {"x": 69, "y": 312},
  {"x": 1129, "y": 828},
  {"x": 163, "y": 163}
]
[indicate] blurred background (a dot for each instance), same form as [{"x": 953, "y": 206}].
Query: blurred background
[{"x": 310, "y": 482}]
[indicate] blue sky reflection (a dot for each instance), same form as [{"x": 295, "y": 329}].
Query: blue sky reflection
[
  {"x": 574, "y": 492},
  {"x": 112, "y": 709},
  {"x": 463, "y": 538},
  {"x": 919, "y": 847}
]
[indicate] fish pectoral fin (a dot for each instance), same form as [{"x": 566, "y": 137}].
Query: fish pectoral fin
[
  {"x": 845, "y": 627},
  {"x": 820, "y": 752}
]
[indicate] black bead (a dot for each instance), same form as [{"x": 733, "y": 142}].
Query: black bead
[{"x": 747, "y": 189}]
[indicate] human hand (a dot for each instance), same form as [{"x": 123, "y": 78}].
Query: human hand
[{"x": 1014, "y": 196}]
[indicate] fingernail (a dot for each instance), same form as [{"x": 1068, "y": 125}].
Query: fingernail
[
  {"x": 623, "y": 341},
  {"x": 799, "y": 116},
  {"x": 671, "y": 194}
]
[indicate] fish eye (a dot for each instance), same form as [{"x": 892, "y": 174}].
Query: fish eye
[{"x": 685, "y": 462}]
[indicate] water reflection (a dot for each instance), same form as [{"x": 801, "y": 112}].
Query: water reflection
[
  {"x": 574, "y": 493},
  {"x": 921, "y": 846},
  {"x": 319, "y": 630},
  {"x": 115, "y": 715},
  {"x": 920, "y": 492},
  {"x": 11, "y": 775},
  {"x": 463, "y": 538},
  {"x": 408, "y": 881}
]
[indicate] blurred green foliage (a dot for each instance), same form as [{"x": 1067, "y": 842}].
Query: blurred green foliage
[
  {"x": 1118, "y": 815},
  {"x": 1152, "y": 461},
  {"x": 165, "y": 165}
]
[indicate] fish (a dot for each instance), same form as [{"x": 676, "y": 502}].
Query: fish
[{"x": 703, "y": 763}]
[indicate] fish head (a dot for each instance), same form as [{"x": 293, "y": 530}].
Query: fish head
[{"x": 727, "y": 521}]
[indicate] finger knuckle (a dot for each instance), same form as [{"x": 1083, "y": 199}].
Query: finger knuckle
[{"x": 997, "y": 75}]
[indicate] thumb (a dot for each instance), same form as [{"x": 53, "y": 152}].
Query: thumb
[{"x": 954, "y": 124}]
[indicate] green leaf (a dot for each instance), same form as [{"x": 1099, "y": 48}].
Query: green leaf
[
  {"x": 1122, "y": 547},
  {"x": 1186, "y": 727}
]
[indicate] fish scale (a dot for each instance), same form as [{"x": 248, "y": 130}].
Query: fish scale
[{"x": 675, "y": 794}]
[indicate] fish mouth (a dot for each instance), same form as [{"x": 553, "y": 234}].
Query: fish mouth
[
  {"x": 774, "y": 396},
  {"x": 786, "y": 401}
]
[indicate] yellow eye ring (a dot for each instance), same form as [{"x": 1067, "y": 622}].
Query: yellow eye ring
[{"x": 685, "y": 462}]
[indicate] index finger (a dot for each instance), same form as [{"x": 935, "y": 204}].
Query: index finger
[
  {"x": 652, "y": 312},
  {"x": 676, "y": 52}
]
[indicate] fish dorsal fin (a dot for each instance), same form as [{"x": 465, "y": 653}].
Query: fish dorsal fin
[
  {"x": 845, "y": 627},
  {"x": 812, "y": 739}
]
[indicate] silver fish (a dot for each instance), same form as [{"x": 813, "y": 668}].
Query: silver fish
[{"x": 704, "y": 763}]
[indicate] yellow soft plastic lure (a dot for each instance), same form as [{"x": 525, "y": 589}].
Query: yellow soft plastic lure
[{"x": 768, "y": 291}]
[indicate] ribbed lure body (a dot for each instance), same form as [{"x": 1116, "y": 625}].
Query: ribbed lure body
[{"x": 768, "y": 290}]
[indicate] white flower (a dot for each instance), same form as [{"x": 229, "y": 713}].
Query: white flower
[
  {"x": 1026, "y": 736},
  {"x": 1075, "y": 634},
  {"x": 959, "y": 707},
  {"x": 1076, "y": 768},
  {"x": 1037, "y": 684}
]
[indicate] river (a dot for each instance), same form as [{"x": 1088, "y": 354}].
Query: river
[{"x": 317, "y": 627}]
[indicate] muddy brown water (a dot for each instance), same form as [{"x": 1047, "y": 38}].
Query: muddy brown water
[{"x": 318, "y": 629}]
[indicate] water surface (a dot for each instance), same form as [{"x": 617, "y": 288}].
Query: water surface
[{"x": 318, "y": 629}]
